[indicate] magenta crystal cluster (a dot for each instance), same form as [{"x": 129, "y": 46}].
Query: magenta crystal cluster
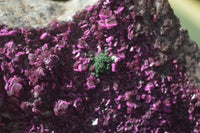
[{"x": 47, "y": 85}]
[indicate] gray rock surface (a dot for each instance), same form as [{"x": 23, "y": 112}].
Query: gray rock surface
[
  {"x": 37, "y": 13},
  {"x": 72, "y": 6},
  {"x": 34, "y": 13}
]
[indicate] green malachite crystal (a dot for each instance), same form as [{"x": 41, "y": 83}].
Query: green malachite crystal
[{"x": 102, "y": 64}]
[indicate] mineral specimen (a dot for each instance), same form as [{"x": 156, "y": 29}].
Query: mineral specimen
[{"x": 47, "y": 84}]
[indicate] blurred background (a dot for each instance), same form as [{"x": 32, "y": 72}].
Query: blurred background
[{"x": 188, "y": 11}]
